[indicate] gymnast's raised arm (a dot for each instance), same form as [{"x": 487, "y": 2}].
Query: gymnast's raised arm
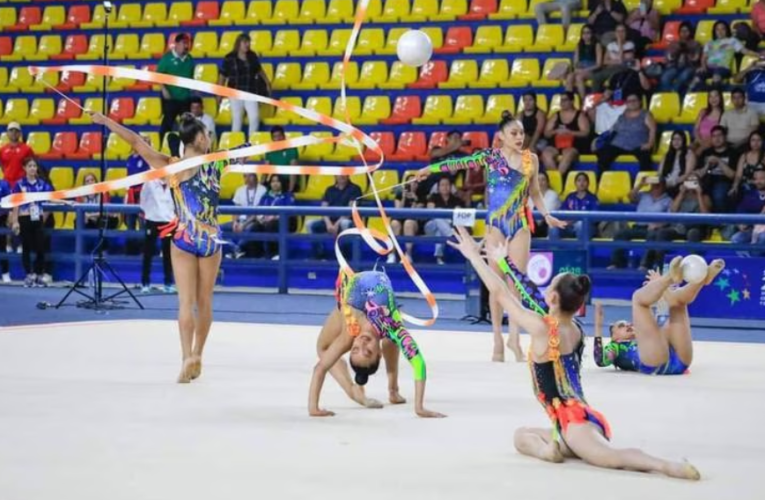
[{"x": 154, "y": 158}]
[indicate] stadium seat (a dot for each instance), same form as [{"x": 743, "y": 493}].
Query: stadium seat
[
  {"x": 421, "y": 11},
  {"x": 50, "y": 45},
  {"x": 508, "y": 9},
  {"x": 493, "y": 72},
  {"x": 315, "y": 188},
  {"x": 229, "y": 183},
  {"x": 570, "y": 186},
  {"x": 7, "y": 17},
  {"x": 315, "y": 75},
  {"x": 693, "y": 102},
  {"x": 639, "y": 178},
  {"x": 704, "y": 30},
  {"x": 45, "y": 79},
  {"x": 205, "y": 44},
  {"x": 92, "y": 105},
  {"x": 391, "y": 42},
  {"x": 322, "y": 105},
  {"x": 437, "y": 107},
  {"x": 479, "y": 10},
  {"x": 313, "y": 42},
  {"x": 310, "y": 12},
  {"x": 69, "y": 80},
  {"x": 461, "y": 73},
  {"x": 3, "y": 79},
  {"x": 153, "y": 14},
  {"x": 375, "y": 109},
  {"x": 64, "y": 143},
  {"x": 116, "y": 148},
  {"x": 16, "y": 110},
  {"x": 231, "y": 140},
  {"x": 387, "y": 143},
  {"x": 372, "y": 74},
  {"x": 351, "y": 76},
  {"x": 53, "y": 15},
  {"x": 6, "y": 47},
  {"x": 337, "y": 42},
  {"x": 206, "y": 11},
  {"x": 282, "y": 116},
  {"x": 24, "y": 47},
  {"x": 495, "y": 105},
  {"x": 28, "y": 16},
  {"x": 257, "y": 12},
  {"x": 90, "y": 145},
  {"x": 544, "y": 81},
  {"x": 517, "y": 37},
  {"x": 670, "y": 33},
  {"x": 432, "y": 74},
  {"x": 695, "y": 6},
  {"x": 148, "y": 111},
  {"x": 410, "y": 145},
  {"x": 95, "y": 48},
  {"x": 62, "y": 178},
  {"x": 458, "y": 38},
  {"x": 486, "y": 39},
  {"x": 449, "y": 10},
  {"x": 229, "y": 13},
  {"x": 128, "y": 13},
  {"x": 121, "y": 108},
  {"x": 284, "y": 12},
  {"x": 286, "y": 74},
  {"x": 83, "y": 172},
  {"x": 73, "y": 46},
  {"x": 226, "y": 45},
  {"x": 400, "y": 76},
  {"x": 39, "y": 142},
  {"x": 665, "y": 107},
  {"x": 370, "y": 40},
  {"x": 523, "y": 72},
  {"x": 478, "y": 140},
  {"x": 466, "y": 109},
  {"x": 206, "y": 73},
  {"x": 573, "y": 35},
  {"x": 284, "y": 43},
  {"x": 77, "y": 15},
  {"x": 127, "y": 46},
  {"x": 348, "y": 112},
  {"x": 437, "y": 140},
  {"x": 393, "y": 11},
  {"x": 344, "y": 152},
  {"x": 667, "y": 7},
  {"x": 614, "y": 187},
  {"x": 385, "y": 179},
  {"x": 261, "y": 41},
  {"x": 92, "y": 83},
  {"x": 21, "y": 80},
  {"x": 98, "y": 18},
  {"x": 41, "y": 109},
  {"x": 549, "y": 38},
  {"x": 317, "y": 152},
  {"x": 728, "y": 7},
  {"x": 405, "y": 108},
  {"x": 338, "y": 12},
  {"x": 556, "y": 183},
  {"x": 114, "y": 173},
  {"x": 179, "y": 12}
]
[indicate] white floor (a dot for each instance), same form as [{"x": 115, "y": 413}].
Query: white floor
[{"x": 91, "y": 411}]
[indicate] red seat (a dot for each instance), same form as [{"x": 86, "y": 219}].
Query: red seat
[
  {"x": 457, "y": 38},
  {"x": 206, "y": 11},
  {"x": 405, "y": 108},
  {"x": 78, "y": 14},
  {"x": 479, "y": 9},
  {"x": 478, "y": 140},
  {"x": 64, "y": 144},
  {"x": 387, "y": 143},
  {"x": 28, "y": 16},
  {"x": 171, "y": 41},
  {"x": 695, "y": 6},
  {"x": 70, "y": 79},
  {"x": 431, "y": 74},
  {"x": 74, "y": 45},
  {"x": 6, "y": 46},
  {"x": 410, "y": 146},
  {"x": 437, "y": 140},
  {"x": 90, "y": 144},
  {"x": 139, "y": 85},
  {"x": 65, "y": 111},
  {"x": 122, "y": 108},
  {"x": 670, "y": 33}
]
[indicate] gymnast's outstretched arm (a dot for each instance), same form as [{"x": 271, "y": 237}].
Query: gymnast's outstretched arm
[
  {"x": 154, "y": 158},
  {"x": 474, "y": 161}
]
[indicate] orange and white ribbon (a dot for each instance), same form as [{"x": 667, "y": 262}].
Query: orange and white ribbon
[{"x": 349, "y": 135}]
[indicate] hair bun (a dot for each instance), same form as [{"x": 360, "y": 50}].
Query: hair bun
[
  {"x": 583, "y": 284},
  {"x": 361, "y": 378}
]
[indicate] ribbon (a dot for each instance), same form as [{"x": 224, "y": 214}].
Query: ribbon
[{"x": 382, "y": 243}]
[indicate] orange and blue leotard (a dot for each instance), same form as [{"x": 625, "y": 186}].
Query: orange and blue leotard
[{"x": 507, "y": 189}]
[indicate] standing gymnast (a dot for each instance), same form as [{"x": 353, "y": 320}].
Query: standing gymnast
[
  {"x": 644, "y": 346},
  {"x": 511, "y": 174},
  {"x": 195, "y": 252},
  {"x": 557, "y": 343},
  {"x": 365, "y": 323}
]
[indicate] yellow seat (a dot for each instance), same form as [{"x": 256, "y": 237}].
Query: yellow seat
[
  {"x": 343, "y": 152},
  {"x": 153, "y": 13},
  {"x": 286, "y": 75},
  {"x": 693, "y": 103},
  {"x": 257, "y": 12},
  {"x": 284, "y": 12},
  {"x": 128, "y": 13},
  {"x": 229, "y": 13},
  {"x": 391, "y": 42},
  {"x": 556, "y": 183},
  {"x": 153, "y": 139},
  {"x": 317, "y": 152},
  {"x": 315, "y": 187},
  {"x": 148, "y": 111},
  {"x": 322, "y": 105},
  {"x": 370, "y": 40},
  {"x": 386, "y": 179},
  {"x": 614, "y": 187},
  {"x": 421, "y": 11},
  {"x": 61, "y": 177},
  {"x": 337, "y": 43},
  {"x": 493, "y": 72},
  {"x": 351, "y": 76},
  {"x": 570, "y": 186},
  {"x": 285, "y": 42},
  {"x": 530, "y": 12},
  {"x": 16, "y": 110},
  {"x": 205, "y": 43},
  {"x": 704, "y": 30},
  {"x": 282, "y": 116},
  {"x": 152, "y": 44},
  {"x": 436, "y": 109},
  {"x": 361, "y": 180},
  {"x": 523, "y": 72},
  {"x": 206, "y": 73},
  {"x": 53, "y": 15},
  {"x": 495, "y": 105},
  {"x": 549, "y": 37},
  {"x": 92, "y": 105},
  {"x": 666, "y": 7},
  {"x": 449, "y": 10},
  {"x": 116, "y": 148},
  {"x": 39, "y": 142},
  {"x": 544, "y": 81},
  {"x": 93, "y": 83},
  {"x": 467, "y": 109},
  {"x": 258, "y": 138},
  {"x": 400, "y": 76},
  {"x": 517, "y": 38},
  {"x": 310, "y": 12},
  {"x": 230, "y": 140},
  {"x": 665, "y": 107},
  {"x": 573, "y": 35},
  {"x": 375, "y": 108},
  {"x": 179, "y": 12},
  {"x": 50, "y": 78},
  {"x": 42, "y": 109},
  {"x": 462, "y": 73},
  {"x": 95, "y": 48},
  {"x": 116, "y": 173},
  {"x": 229, "y": 183},
  {"x": 338, "y": 12},
  {"x": 227, "y": 44},
  {"x": 127, "y": 46},
  {"x": 315, "y": 75},
  {"x": 435, "y": 34},
  {"x": 393, "y": 11},
  {"x": 224, "y": 113},
  {"x": 25, "y": 48},
  {"x": 313, "y": 42},
  {"x": 350, "y": 111},
  {"x": 4, "y": 80},
  {"x": 372, "y": 74},
  {"x": 508, "y": 9},
  {"x": 261, "y": 41},
  {"x": 49, "y": 45},
  {"x": 728, "y": 7},
  {"x": 98, "y": 18},
  {"x": 83, "y": 172},
  {"x": 7, "y": 16},
  {"x": 120, "y": 83},
  {"x": 486, "y": 39}
]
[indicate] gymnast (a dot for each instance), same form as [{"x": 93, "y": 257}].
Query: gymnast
[
  {"x": 511, "y": 174},
  {"x": 365, "y": 323},
  {"x": 557, "y": 343},
  {"x": 195, "y": 252},
  {"x": 644, "y": 346}
]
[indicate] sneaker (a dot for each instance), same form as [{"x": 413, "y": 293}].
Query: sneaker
[
  {"x": 146, "y": 289},
  {"x": 40, "y": 282},
  {"x": 391, "y": 258},
  {"x": 170, "y": 289},
  {"x": 6, "y": 278},
  {"x": 29, "y": 281}
]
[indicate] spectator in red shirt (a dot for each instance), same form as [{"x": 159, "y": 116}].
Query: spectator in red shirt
[{"x": 13, "y": 154}]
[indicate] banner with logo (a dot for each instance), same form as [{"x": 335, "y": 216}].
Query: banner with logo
[{"x": 737, "y": 293}]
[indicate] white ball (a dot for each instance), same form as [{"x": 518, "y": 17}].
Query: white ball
[
  {"x": 694, "y": 269},
  {"x": 414, "y": 48}
]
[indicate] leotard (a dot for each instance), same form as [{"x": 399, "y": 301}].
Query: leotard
[{"x": 625, "y": 356}]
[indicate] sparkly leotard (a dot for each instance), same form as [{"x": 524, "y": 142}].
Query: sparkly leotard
[
  {"x": 371, "y": 292},
  {"x": 507, "y": 189},
  {"x": 557, "y": 382},
  {"x": 625, "y": 356}
]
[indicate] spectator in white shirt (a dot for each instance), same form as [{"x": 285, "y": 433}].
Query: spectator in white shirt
[
  {"x": 248, "y": 195},
  {"x": 158, "y": 210},
  {"x": 198, "y": 110}
]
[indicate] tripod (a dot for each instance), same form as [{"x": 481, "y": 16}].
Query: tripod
[{"x": 100, "y": 267}]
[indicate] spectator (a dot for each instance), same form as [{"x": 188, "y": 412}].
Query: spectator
[
  {"x": 452, "y": 148},
  {"x": 588, "y": 58},
  {"x": 29, "y": 221},
  {"x": 708, "y": 119},
  {"x": 644, "y": 25},
  {"x": 604, "y": 16},
  {"x": 409, "y": 197},
  {"x": 655, "y": 200},
  {"x": 442, "y": 227},
  {"x": 533, "y": 120},
  {"x": 689, "y": 200},
  {"x": 93, "y": 219},
  {"x": 740, "y": 121},
  {"x": 175, "y": 100},
  {"x": 715, "y": 170},
  {"x": 754, "y": 77},
  {"x": 135, "y": 165},
  {"x": 287, "y": 156},
  {"x": 718, "y": 56},
  {"x": 758, "y": 17},
  {"x": 679, "y": 162},
  {"x": 5, "y": 190},
  {"x": 634, "y": 133},
  {"x": 342, "y": 194},
  {"x": 619, "y": 55},
  {"x": 749, "y": 162},
  {"x": 158, "y": 210},
  {"x": 581, "y": 200},
  {"x": 550, "y": 199},
  {"x": 248, "y": 195},
  {"x": 276, "y": 197},
  {"x": 753, "y": 202},
  {"x": 13, "y": 155},
  {"x": 197, "y": 108},
  {"x": 683, "y": 58},
  {"x": 569, "y": 132},
  {"x": 564, "y": 6},
  {"x": 242, "y": 70}
]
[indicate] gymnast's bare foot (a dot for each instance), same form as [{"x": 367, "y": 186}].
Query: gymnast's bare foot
[
  {"x": 186, "y": 369},
  {"x": 715, "y": 267},
  {"x": 395, "y": 398},
  {"x": 675, "y": 271},
  {"x": 196, "y": 367},
  {"x": 682, "y": 470},
  {"x": 514, "y": 344}
]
